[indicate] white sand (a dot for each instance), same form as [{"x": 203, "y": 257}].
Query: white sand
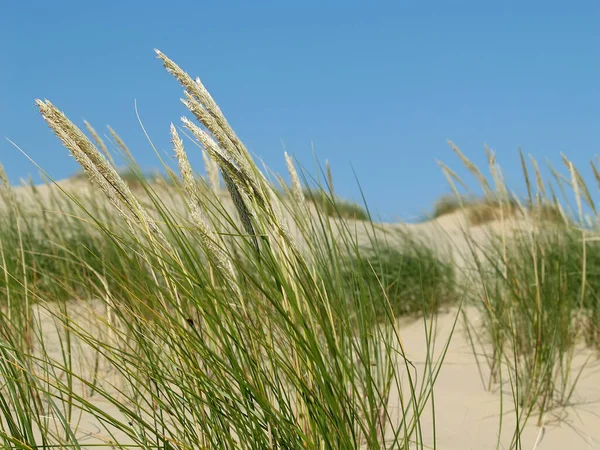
[{"x": 468, "y": 416}]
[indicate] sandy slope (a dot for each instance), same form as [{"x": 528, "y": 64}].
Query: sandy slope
[{"x": 467, "y": 416}]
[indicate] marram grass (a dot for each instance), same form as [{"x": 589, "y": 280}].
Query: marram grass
[
  {"x": 536, "y": 286},
  {"x": 178, "y": 322}
]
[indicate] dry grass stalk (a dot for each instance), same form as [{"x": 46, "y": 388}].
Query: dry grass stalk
[
  {"x": 222, "y": 156},
  {"x": 296, "y": 185},
  {"x": 526, "y": 175},
  {"x": 197, "y": 90},
  {"x": 100, "y": 142},
  {"x": 473, "y": 168},
  {"x": 539, "y": 183},
  {"x": 204, "y": 108},
  {"x": 501, "y": 191},
  {"x": 580, "y": 188},
  {"x": 236, "y": 179},
  {"x": 101, "y": 172},
  {"x": 106, "y": 177},
  {"x": 212, "y": 125},
  {"x": 120, "y": 142},
  {"x": 193, "y": 200},
  {"x": 246, "y": 184},
  {"x": 596, "y": 173},
  {"x": 329, "y": 178},
  {"x": 212, "y": 171}
]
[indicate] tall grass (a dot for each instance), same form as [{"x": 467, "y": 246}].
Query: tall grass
[
  {"x": 414, "y": 278},
  {"x": 537, "y": 287},
  {"x": 171, "y": 319}
]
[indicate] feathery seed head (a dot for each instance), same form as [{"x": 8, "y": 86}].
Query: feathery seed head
[
  {"x": 193, "y": 200},
  {"x": 212, "y": 170},
  {"x": 296, "y": 185},
  {"x": 99, "y": 141},
  {"x": 218, "y": 124},
  {"x": 120, "y": 142},
  {"x": 185, "y": 168},
  {"x": 99, "y": 170},
  {"x": 329, "y": 178}
]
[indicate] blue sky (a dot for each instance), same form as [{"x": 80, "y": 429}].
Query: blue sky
[{"x": 378, "y": 87}]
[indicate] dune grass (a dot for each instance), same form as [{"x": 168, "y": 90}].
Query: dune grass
[
  {"x": 177, "y": 322},
  {"x": 549, "y": 296},
  {"x": 537, "y": 289},
  {"x": 414, "y": 279}
]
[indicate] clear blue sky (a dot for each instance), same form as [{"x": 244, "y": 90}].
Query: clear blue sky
[{"x": 378, "y": 86}]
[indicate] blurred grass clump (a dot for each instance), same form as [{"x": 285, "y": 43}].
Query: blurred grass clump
[
  {"x": 480, "y": 211},
  {"x": 413, "y": 278},
  {"x": 334, "y": 206}
]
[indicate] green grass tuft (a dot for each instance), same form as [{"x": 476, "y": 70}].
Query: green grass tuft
[{"x": 415, "y": 281}]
